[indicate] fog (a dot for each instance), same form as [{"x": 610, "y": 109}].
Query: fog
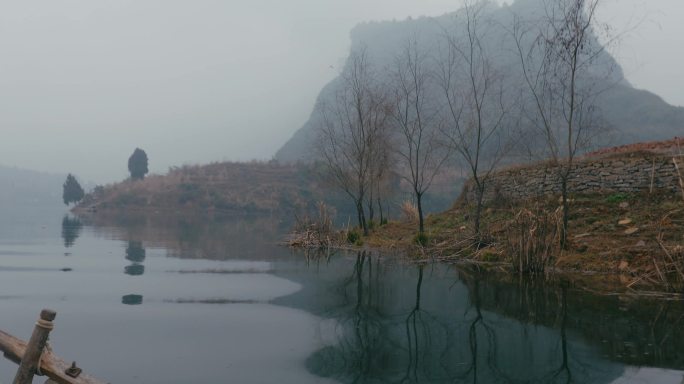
[{"x": 84, "y": 82}]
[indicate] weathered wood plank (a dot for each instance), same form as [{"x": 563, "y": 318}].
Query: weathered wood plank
[
  {"x": 12, "y": 347},
  {"x": 54, "y": 368},
  {"x": 50, "y": 365},
  {"x": 28, "y": 367}
]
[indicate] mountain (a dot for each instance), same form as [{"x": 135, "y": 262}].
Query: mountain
[
  {"x": 633, "y": 115},
  {"x": 22, "y": 189}
]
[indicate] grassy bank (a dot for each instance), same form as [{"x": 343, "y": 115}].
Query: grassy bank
[{"x": 636, "y": 238}]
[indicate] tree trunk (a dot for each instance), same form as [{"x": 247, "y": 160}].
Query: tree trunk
[
  {"x": 371, "y": 211},
  {"x": 421, "y": 221},
  {"x": 478, "y": 211},
  {"x": 358, "y": 215},
  {"x": 382, "y": 216},
  {"x": 362, "y": 217},
  {"x": 566, "y": 214}
]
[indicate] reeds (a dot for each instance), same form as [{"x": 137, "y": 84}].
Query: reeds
[
  {"x": 532, "y": 240},
  {"x": 315, "y": 232}
]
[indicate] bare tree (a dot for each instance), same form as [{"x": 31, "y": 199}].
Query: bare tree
[
  {"x": 381, "y": 175},
  {"x": 351, "y": 132},
  {"x": 477, "y": 113},
  {"x": 419, "y": 152},
  {"x": 557, "y": 54}
]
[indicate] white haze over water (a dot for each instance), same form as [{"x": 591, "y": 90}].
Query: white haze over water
[{"x": 84, "y": 82}]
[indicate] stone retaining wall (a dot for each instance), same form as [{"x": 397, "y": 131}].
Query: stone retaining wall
[{"x": 623, "y": 174}]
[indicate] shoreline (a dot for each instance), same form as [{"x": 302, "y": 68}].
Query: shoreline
[{"x": 617, "y": 236}]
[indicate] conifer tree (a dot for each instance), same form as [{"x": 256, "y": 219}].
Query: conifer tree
[
  {"x": 137, "y": 164},
  {"x": 72, "y": 191}
]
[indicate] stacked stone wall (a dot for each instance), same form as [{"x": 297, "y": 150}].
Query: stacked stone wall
[{"x": 623, "y": 174}]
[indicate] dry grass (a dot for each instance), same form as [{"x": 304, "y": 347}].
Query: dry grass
[
  {"x": 668, "y": 262},
  {"x": 409, "y": 212},
  {"x": 523, "y": 234},
  {"x": 532, "y": 240},
  {"x": 245, "y": 187}
]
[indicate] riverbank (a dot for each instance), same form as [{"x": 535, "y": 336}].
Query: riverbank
[
  {"x": 636, "y": 238},
  {"x": 626, "y": 219}
]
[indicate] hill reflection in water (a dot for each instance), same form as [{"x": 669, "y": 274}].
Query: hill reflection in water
[{"x": 203, "y": 237}]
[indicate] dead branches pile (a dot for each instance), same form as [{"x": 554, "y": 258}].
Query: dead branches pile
[
  {"x": 532, "y": 240},
  {"x": 454, "y": 248},
  {"x": 315, "y": 232}
]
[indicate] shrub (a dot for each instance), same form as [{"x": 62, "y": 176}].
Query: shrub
[
  {"x": 353, "y": 236},
  {"x": 421, "y": 239}
]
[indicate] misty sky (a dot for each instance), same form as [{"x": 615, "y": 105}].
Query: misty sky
[{"x": 83, "y": 82}]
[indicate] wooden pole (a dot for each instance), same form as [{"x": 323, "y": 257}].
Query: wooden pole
[
  {"x": 34, "y": 350},
  {"x": 51, "y": 365}
]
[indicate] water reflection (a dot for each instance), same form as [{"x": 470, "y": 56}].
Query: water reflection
[
  {"x": 211, "y": 237},
  {"x": 71, "y": 229},
  {"x": 434, "y": 324},
  {"x": 633, "y": 331},
  {"x": 483, "y": 335},
  {"x": 132, "y": 299},
  {"x": 382, "y": 321},
  {"x": 135, "y": 253},
  {"x": 134, "y": 270},
  {"x": 385, "y": 332}
]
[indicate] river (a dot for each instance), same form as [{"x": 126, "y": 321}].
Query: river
[{"x": 169, "y": 299}]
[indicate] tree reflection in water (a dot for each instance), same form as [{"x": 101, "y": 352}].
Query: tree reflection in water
[
  {"x": 400, "y": 324},
  {"x": 132, "y": 299},
  {"x": 535, "y": 300},
  {"x": 412, "y": 337},
  {"x": 478, "y": 324},
  {"x": 71, "y": 229},
  {"x": 135, "y": 252},
  {"x": 366, "y": 338}
]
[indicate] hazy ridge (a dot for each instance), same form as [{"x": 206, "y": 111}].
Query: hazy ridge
[
  {"x": 22, "y": 189},
  {"x": 633, "y": 115}
]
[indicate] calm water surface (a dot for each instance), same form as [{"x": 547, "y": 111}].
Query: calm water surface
[{"x": 166, "y": 299}]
